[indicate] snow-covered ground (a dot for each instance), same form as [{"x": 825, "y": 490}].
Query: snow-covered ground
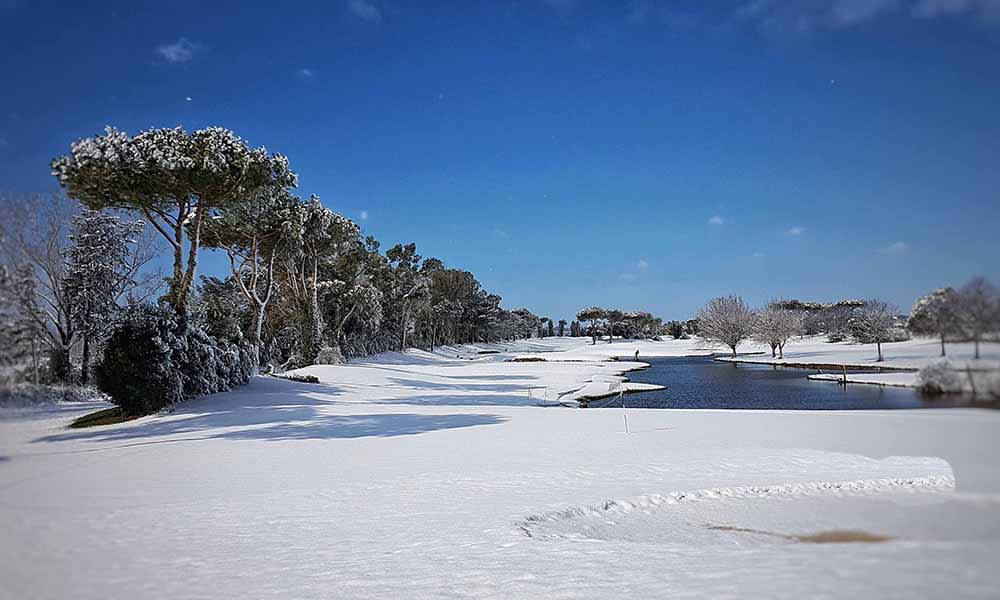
[
  {"x": 437, "y": 475},
  {"x": 891, "y": 379},
  {"x": 911, "y": 354}
]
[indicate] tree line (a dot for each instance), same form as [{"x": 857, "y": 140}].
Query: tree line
[
  {"x": 616, "y": 322},
  {"x": 304, "y": 286},
  {"x": 970, "y": 313}
]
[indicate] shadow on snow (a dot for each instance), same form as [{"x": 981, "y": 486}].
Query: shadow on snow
[{"x": 272, "y": 409}]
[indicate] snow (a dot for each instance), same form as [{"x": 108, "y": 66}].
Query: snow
[
  {"x": 437, "y": 475},
  {"x": 911, "y": 354},
  {"x": 891, "y": 379}
]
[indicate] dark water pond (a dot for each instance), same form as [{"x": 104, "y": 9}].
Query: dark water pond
[{"x": 700, "y": 382}]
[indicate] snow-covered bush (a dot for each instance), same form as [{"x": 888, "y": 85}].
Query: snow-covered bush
[
  {"x": 299, "y": 378},
  {"x": 208, "y": 366},
  {"x": 148, "y": 364},
  {"x": 138, "y": 369},
  {"x": 898, "y": 332},
  {"x": 939, "y": 378},
  {"x": 330, "y": 355},
  {"x": 27, "y": 394}
]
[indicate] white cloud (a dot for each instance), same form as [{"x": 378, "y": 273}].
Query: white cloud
[
  {"x": 796, "y": 230},
  {"x": 177, "y": 52},
  {"x": 305, "y": 72},
  {"x": 365, "y": 10},
  {"x": 896, "y": 248},
  {"x": 364, "y": 215},
  {"x": 805, "y": 16},
  {"x": 561, "y": 6},
  {"x": 716, "y": 220},
  {"x": 188, "y": 98},
  {"x": 931, "y": 9},
  {"x": 986, "y": 11},
  {"x": 846, "y": 13},
  {"x": 758, "y": 255},
  {"x": 639, "y": 270}
]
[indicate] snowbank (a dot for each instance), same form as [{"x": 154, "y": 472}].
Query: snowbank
[{"x": 412, "y": 475}]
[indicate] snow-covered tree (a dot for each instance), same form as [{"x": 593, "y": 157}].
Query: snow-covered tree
[
  {"x": 873, "y": 323},
  {"x": 613, "y": 317},
  {"x": 544, "y": 326},
  {"x": 574, "y": 328},
  {"x": 97, "y": 274},
  {"x": 254, "y": 232},
  {"x": 775, "y": 326},
  {"x": 978, "y": 309},
  {"x": 726, "y": 320},
  {"x": 561, "y": 329},
  {"x": 18, "y": 331},
  {"x": 691, "y": 327},
  {"x": 33, "y": 236},
  {"x": 318, "y": 236},
  {"x": 595, "y": 315},
  {"x": 174, "y": 179},
  {"x": 935, "y": 314},
  {"x": 409, "y": 286}
]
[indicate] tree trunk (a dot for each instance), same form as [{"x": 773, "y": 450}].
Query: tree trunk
[
  {"x": 402, "y": 341},
  {"x": 176, "y": 280},
  {"x": 878, "y": 345},
  {"x": 942, "y": 344},
  {"x": 734, "y": 351},
  {"x": 781, "y": 351},
  {"x": 34, "y": 359},
  {"x": 316, "y": 323},
  {"x": 774, "y": 348},
  {"x": 976, "y": 341},
  {"x": 258, "y": 334},
  {"x": 194, "y": 243},
  {"x": 67, "y": 365},
  {"x": 258, "y": 329},
  {"x": 85, "y": 361}
]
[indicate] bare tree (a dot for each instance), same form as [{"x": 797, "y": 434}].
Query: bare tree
[
  {"x": 726, "y": 320},
  {"x": 254, "y": 233},
  {"x": 775, "y": 326},
  {"x": 35, "y": 239},
  {"x": 873, "y": 322},
  {"x": 33, "y": 235},
  {"x": 977, "y": 309}
]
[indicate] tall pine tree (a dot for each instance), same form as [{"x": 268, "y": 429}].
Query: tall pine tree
[{"x": 96, "y": 275}]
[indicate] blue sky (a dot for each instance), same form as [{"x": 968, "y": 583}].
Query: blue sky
[{"x": 646, "y": 155}]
